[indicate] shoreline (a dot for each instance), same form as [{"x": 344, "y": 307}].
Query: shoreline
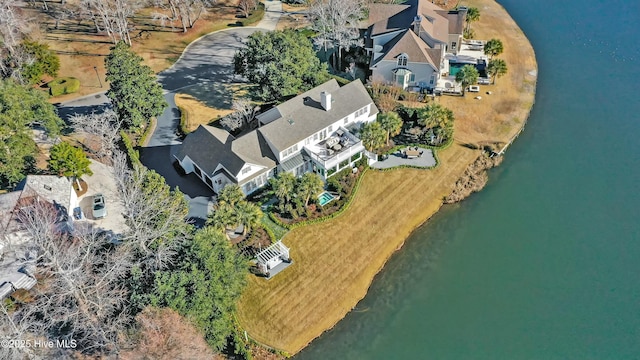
[{"x": 274, "y": 326}]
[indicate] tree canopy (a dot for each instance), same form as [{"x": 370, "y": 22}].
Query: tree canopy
[
  {"x": 473, "y": 15},
  {"x": 496, "y": 68},
  {"x": 372, "y": 135},
  {"x": 438, "y": 121},
  {"x": 467, "y": 75},
  {"x": 207, "y": 286},
  {"x": 281, "y": 63},
  {"x": 134, "y": 91},
  {"x": 42, "y": 61},
  {"x": 20, "y": 108},
  {"x": 310, "y": 185},
  {"x": 493, "y": 47},
  {"x": 234, "y": 210},
  {"x": 391, "y": 123},
  {"x": 68, "y": 160}
]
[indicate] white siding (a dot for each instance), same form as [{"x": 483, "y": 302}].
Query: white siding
[
  {"x": 383, "y": 72},
  {"x": 253, "y": 168}
]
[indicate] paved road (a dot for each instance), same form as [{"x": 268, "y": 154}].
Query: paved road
[
  {"x": 84, "y": 105},
  {"x": 208, "y": 60}
]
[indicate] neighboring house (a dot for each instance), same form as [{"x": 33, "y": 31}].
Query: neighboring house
[
  {"x": 16, "y": 260},
  {"x": 411, "y": 44},
  {"x": 309, "y": 133}
]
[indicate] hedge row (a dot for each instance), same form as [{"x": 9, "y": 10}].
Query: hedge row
[
  {"x": 147, "y": 131},
  {"x": 324, "y": 218},
  {"x": 134, "y": 155},
  {"x": 65, "y": 85},
  {"x": 269, "y": 232}
]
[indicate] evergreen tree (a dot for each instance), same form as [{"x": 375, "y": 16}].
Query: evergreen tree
[
  {"x": 438, "y": 120},
  {"x": 496, "y": 68},
  {"x": 20, "y": 107},
  {"x": 134, "y": 91},
  {"x": 466, "y": 76},
  {"x": 391, "y": 123},
  {"x": 493, "y": 48},
  {"x": 207, "y": 286},
  {"x": 281, "y": 63},
  {"x": 309, "y": 186},
  {"x": 372, "y": 135},
  {"x": 43, "y": 61},
  {"x": 70, "y": 161}
]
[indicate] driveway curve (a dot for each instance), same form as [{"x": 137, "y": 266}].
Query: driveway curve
[{"x": 207, "y": 60}]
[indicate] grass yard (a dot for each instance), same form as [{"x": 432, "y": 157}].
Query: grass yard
[
  {"x": 336, "y": 261},
  {"x": 82, "y": 51},
  {"x": 290, "y": 20},
  {"x": 196, "y": 113},
  {"x": 208, "y": 102}
]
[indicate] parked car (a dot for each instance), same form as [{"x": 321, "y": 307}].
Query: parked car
[
  {"x": 99, "y": 209},
  {"x": 474, "y": 88}
]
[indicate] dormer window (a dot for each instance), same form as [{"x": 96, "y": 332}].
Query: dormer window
[{"x": 402, "y": 60}]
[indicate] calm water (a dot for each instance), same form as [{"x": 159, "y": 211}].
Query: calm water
[{"x": 545, "y": 262}]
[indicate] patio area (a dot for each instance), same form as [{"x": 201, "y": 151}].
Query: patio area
[{"x": 412, "y": 156}]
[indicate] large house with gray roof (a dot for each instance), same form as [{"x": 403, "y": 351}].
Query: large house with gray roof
[
  {"x": 409, "y": 42},
  {"x": 313, "y": 132}
]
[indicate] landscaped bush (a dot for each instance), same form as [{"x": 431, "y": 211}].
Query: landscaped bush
[{"x": 65, "y": 85}]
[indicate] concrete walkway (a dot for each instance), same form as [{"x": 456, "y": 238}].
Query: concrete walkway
[{"x": 426, "y": 160}]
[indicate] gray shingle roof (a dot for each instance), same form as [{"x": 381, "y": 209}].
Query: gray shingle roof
[
  {"x": 409, "y": 43},
  {"x": 252, "y": 148},
  {"x": 436, "y": 22},
  {"x": 303, "y": 115},
  {"x": 209, "y": 146}
]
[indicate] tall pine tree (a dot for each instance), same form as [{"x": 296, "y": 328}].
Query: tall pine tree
[{"x": 134, "y": 91}]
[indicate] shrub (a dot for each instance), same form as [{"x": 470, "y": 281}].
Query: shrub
[{"x": 65, "y": 85}]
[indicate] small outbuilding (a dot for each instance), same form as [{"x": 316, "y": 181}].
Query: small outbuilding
[{"x": 273, "y": 259}]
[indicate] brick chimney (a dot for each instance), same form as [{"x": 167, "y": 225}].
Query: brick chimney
[{"x": 325, "y": 100}]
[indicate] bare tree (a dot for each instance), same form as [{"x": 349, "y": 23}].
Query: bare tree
[
  {"x": 336, "y": 22},
  {"x": 13, "y": 27},
  {"x": 80, "y": 296},
  {"x": 187, "y": 11},
  {"x": 244, "y": 114},
  {"x": 155, "y": 217},
  {"x": 247, "y": 6},
  {"x": 103, "y": 127},
  {"x": 113, "y": 16}
]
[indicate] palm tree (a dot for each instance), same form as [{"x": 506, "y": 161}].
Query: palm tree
[
  {"x": 224, "y": 217},
  {"x": 309, "y": 186},
  {"x": 231, "y": 194},
  {"x": 391, "y": 123},
  {"x": 248, "y": 214},
  {"x": 283, "y": 188},
  {"x": 372, "y": 135},
  {"x": 497, "y": 68},
  {"x": 493, "y": 48},
  {"x": 467, "y": 75},
  {"x": 439, "y": 120},
  {"x": 473, "y": 15}
]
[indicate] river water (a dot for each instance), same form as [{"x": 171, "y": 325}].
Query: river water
[{"x": 544, "y": 263}]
